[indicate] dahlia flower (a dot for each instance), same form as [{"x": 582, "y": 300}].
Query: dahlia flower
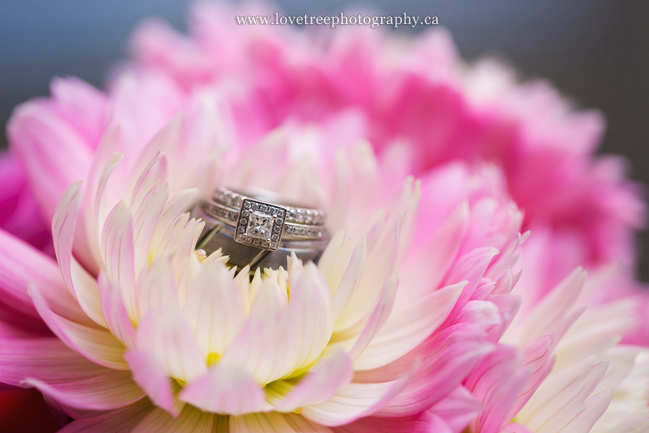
[
  {"x": 159, "y": 336},
  {"x": 421, "y": 95},
  {"x": 418, "y": 316}
]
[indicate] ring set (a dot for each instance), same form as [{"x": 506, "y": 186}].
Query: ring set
[{"x": 257, "y": 228}]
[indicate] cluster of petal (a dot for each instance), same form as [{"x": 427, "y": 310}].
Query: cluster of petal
[
  {"x": 416, "y": 319},
  {"x": 570, "y": 372},
  {"x": 418, "y": 93},
  {"x": 423, "y": 97},
  {"x": 134, "y": 322},
  {"x": 419, "y": 97}
]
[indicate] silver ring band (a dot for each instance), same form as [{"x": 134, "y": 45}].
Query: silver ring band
[{"x": 233, "y": 200}]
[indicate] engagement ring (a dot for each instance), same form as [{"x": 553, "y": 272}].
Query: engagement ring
[{"x": 259, "y": 229}]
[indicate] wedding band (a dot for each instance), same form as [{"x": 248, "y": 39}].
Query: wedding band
[
  {"x": 294, "y": 214},
  {"x": 259, "y": 229}
]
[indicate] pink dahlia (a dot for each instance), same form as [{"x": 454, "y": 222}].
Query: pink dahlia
[
  {"x": 420, "y": 95},
  {"x": 132, "y": 329},
  {"x": 417, "y": 317}
]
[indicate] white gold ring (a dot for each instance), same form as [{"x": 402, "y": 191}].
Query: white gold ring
[{"x": 255, "y": 231}]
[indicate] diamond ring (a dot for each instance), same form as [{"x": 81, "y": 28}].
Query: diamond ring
[{"x": 256, "y": 228}]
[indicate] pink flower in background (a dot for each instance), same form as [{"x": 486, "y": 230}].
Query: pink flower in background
[
  {"x": 19, "y": 212},
  {"x": 419, "y": 94}
]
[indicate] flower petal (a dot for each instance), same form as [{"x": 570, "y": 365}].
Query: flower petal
[
  {"x": 377, "y": 319},
  {"x": 80, "y": 104},
  {"x": 114, "y": 312},
  {"x": 214, "y": 308},
  {"x": 446, "y": 358},
  {"x": 154, "y": 380},
  {"x": 279, "y": 339},
  {"x": 274, "y": 423},
  {"x": 382, "y": 254},
  {"x": 497, "y": 382},
  {"x": 156, "y": 288},
  {"x": 552, "y": 316},
  {"x": 596, "y": 331},
  {"x": 204, "y": 137},
  {"x": 409, "y": 324},
  {"x": 100, "y": 197},
  {"x": 174, "y": 207},
  {"x": 111, "y": 390},
  {"x": 191, "y": 420},
  {"x": 457, "y": 409},
  {"x": 179, "y": 241},
  {"x": 592, "y": 410},
  {"x": 154, "y": 173},
  {"x": 515, "y": 428},
  {"x": 321, "y": 382},
  {"x": 537, "y": 358},
  {"x": 508, "y": 306},
  {"x": 21, "y": 264},
  {"x": 354, "y": 401},
  {"x": 373, "y": 424},
  {"x": 145, "y": 221},
  {"x": 484, "y": 314},
  {"x": 428, "y": 266},
  {"x": 564, "y": 399},
  {"x": 335, "y": 258},
  {"x": 47, "y": 359},
  {"x": 350, "y": 279},
  {"x": 96, "y": 344},
  {"x": 470, "y": 267},
  {"x": 148, "y": 165},
  {"x": 15, "y": 270},
  {"x": 117, "y": 243},
  {"x": 225, "y": 389},
  {"x": 310, "y": 313},
  {"x": 10, "y": 330},
  {"x": 167, "y": 336},
  {"x": 53, "y": 153},
  {"x": 117, "y": 421},
  {"x": 262, "y": 347},
  {"x": 63, "y": 230}
]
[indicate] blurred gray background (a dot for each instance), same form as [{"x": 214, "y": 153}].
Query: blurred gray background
[{"x": 596, "y": 51}]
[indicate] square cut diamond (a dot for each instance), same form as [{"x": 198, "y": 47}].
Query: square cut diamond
[{"x": 260, "y": 224}]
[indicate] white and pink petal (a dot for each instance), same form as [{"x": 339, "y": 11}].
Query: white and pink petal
[
  {"x": 225, "y": 389},
  {"x": 116, "y": 421},
  {"x": 408, "y": 325},
  {"x": 214, "y": 308},
  {"x": 95, "y": 343},
  {"x": 323, "y": 380},
  {"x": 167, "y": 336},
  {"x": 152, "y": 377},
  {"x": 111, "y": 390}
]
